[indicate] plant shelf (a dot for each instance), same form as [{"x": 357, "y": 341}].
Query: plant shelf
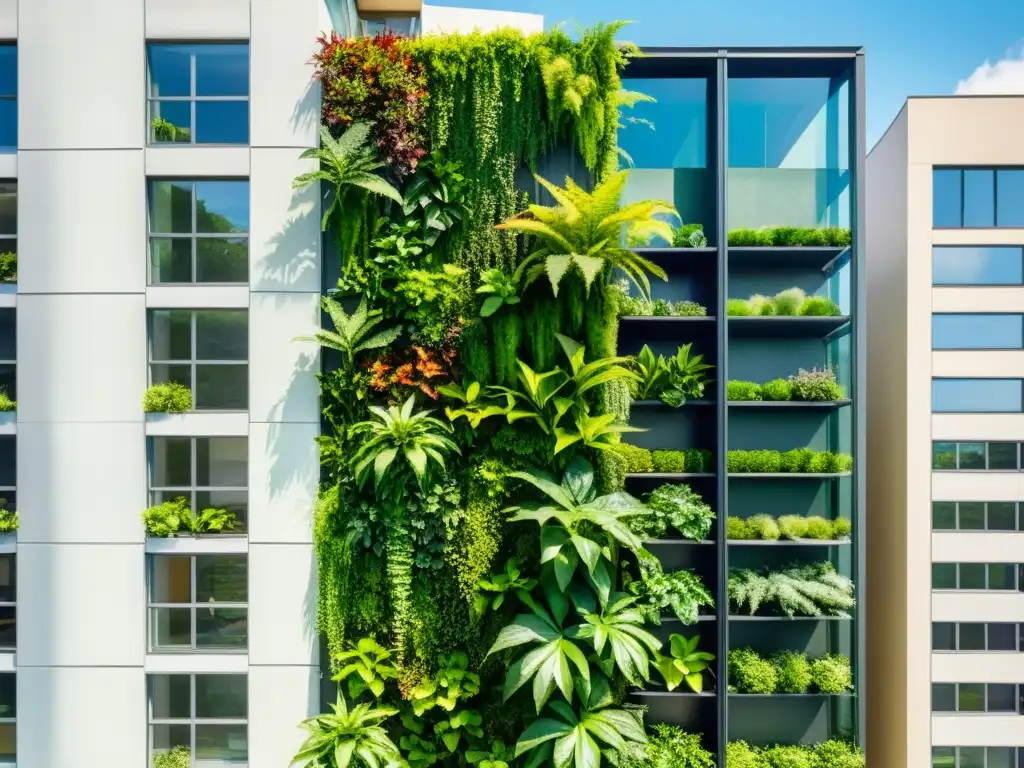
[
  {"x": 671, "y": 618},
  {"x": 785, "y": 327},
  {"x": 791, "y": 695},
  {"x": 743, "y": 617},
  {"x": 675, "y": 694},
  {"x": 789, "y": 475},
  {"x": 667, "y": 319},
  {"x": 677, "y": 542},
  {"x": 788, "y": 543},
  {"x": 669, "y": 475},
  {"x": 788, "y": 404},
  {"x": 654, "y": 253},
  {"x": 784, "y": 256},
  {"x": 661, "y": 404}
]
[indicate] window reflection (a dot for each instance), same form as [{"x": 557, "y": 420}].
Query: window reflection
[
  {"x": 1010, "y": 198},
  {"x": 977, "y": 331},
  {"x": 979, "y": 198},
  {"x": 976, "y": 395},
  {"x": 977, "y": 265},
  {"x": 946, "y": 200}
]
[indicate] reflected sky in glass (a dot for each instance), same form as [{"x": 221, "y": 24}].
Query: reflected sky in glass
[
  {"x": 976, "y": 395},
  {"x": 977, "y": 265},
  {"x": 977, "y": 331}
]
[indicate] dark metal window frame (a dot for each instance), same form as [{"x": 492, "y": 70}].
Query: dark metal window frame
[
  {"x": 985, "y": 710},
  {"x": 1018, "y": 756},
  {"x": 985, "y": 528},
  {"x": 1018, "y": 582},
  {"x": 986, "y": 443},
  {"x": 956, "y": 637}
]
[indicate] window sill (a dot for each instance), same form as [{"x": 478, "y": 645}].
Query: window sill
[
  {"x": 198, "y": 424},
  {"x": 210, "y": 544},
  {"x": 197, "y": 662}
]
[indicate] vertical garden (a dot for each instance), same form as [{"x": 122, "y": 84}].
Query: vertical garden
[{"x": 492, "y": 522}]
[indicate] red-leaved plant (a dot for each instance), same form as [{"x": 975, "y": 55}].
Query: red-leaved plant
[
  {"x": 374, "y": 79},
  {"x": 396, "y": 374}
]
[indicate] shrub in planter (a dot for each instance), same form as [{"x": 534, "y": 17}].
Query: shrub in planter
[
  {"x": 689, "y": 309},
  {"x": 838, "y": 754},
  {"x": 179, "y": 757},
  {"x": 172, "y": 517},
  {"x": 661, "y": 308},
  {"x": 831, "y": 674},
  {"x": 778, "y": 390},
  {"x": 636, "y": 459},
  {"x": 819, "y": 306},
  {"x": 794, "y": 672},
  {"x": 827, "y": 462},
  {"x": 796, "y": 460},
  {"x": 818, "y": 528},
  {"x": 815, "y": 385},
  {"x": 763, "y": 527},
  {"x": 699, "y": 460},
  {"x": 739, "y": 754},
  {"x": 737, "y": 528},
  {"x": 670, "y": 461},
  {"x": 674, "y": 506},
  {"x": 764, "y": 461},
  {"x": 749, "y": 673},
  {"x": 8, "y": 267},
  {"x": 669, "y": 746},
  {"x": 841, "y": 528},
  {"x": 171, "y": 397},
  {"x": 742, "y": 390},
  {"x": 8, "y": 520},
  {"x": 792, "y": 526},
  {"x": 737, "y": 308}
]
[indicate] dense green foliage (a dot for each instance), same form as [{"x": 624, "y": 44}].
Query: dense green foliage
[
  {"x": 171, "y": 397},
  {"x": 808, "y": 590},
  {"x": 828, "y": 754},
  {"x": 791, "y": 527},
  {"x": 802, "y": 460},
  {"x": 805, "y": 386},
  {"x": 791, "y": 302},
  {"x": 173, "y": 517},
  {"x": 790, "y": 236},
  {"x": 788, "y": 672}
]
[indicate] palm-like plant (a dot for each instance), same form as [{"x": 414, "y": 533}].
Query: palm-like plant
[
  {"x": 346, "y": 163},
  {"x": 348, "y": 737},
  {"x": 418, "y": 438},
  {"x": 586, "y": 229},
  {"x": 352, "y": 333}
]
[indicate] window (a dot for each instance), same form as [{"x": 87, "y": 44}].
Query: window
[
  {"x": 8, "y": 603},
  {"x": 197, "y": 603},
  {"x": 975, "y": 456},
  {"x": 975, "y": 576},
  {"x": 976, "y": 396},
  {"x": 977, "y": 265},
  {"x": 974, "y": 697},
  {"x": 9, "y": 97},
  {"x": 8, "y": 473},
  {"x": 8, "y": 715},
  {"x": 206, "y": 350},
  {"x": 977, "y": 757},
  {"x": 978, "y": 197},
  {"x": 209, "y": 471},
  {"x": 977, "y": 331},
  {"x": 199, "y": 93},
  {"x": 974, "y": 516},
  {"x": 370, "y": 24},
  {"x": 198, "y": 231},
  {"x": 203, "y": 714}
]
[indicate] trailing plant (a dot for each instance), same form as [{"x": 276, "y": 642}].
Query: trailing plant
[
  {"x": 790, "y": 236},
  {"x": 749, "y": 673},
  {"x": 685, "y": 663},
  {"x": 810, "y": 590},
  {"x": 169, "y": 397},
  {"x": 674, "y": 507},
  {"x": 172, "y": 517},
  {"x": 815, "y": 385},
  {"x": 347, "y": 737},
  {"x": 681, "y": 591}
]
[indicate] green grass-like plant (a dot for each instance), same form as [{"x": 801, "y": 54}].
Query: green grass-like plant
[
  {"x": 742, "y": 390},
  {"x": 818, "y": 528},
  {"x": 790, "y": 303},
  {"x": 794, "y": 671},
  {"x": 170, "y": 397},
  {"x": 766, "y": 237},
  {"x": 777, "y": 390},
  {"x": 749, "y": 673},
  {"x": 737, "y": 528},
  {"x": 798, "y": 460},
  {"x": 669, "y": 461},
  {"x": 792, "y": 526},
  {"x": 831, "y": 674},
  {"x": 763, "y": 527},
  {"x": 637, "y": 460}
]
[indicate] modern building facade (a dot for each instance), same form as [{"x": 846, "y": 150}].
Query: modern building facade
[
  {"x": 748, "y": 139},
  {"x": 945, "y": 200},
  {"x": 148, "y": 152}
]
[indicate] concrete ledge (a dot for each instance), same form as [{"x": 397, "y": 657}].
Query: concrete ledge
[
  {"x": 198, "y": 424},
  {"x": 197, "y": 20},
  {"x": 8, "y": 661},
  {"x": 197, "y": 663},
  {"x": 980, "y": 236},
  {"x": 212, "y": 544},
  {"x": 984, "y": 299},
  {"x": 186, "y": 161},
  {"x": 976, "y": 729},
  {"x": 197, "y": 297},
  {"x": 977, "y": 547},
  {"x": 981, "y": 364}
]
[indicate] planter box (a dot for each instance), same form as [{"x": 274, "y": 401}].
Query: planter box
[
  {"x": 195, "y": 423},
  {"x": 214, "y": 544}
]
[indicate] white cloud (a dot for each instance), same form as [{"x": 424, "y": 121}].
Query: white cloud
[{"x": 1006, "y": 76}]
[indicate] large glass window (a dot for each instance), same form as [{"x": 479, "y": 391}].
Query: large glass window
[
  {"x": 8, "y": 602},
  {"x": 946, "y": 198},
  {"x": 8, "y": 97},
  {"x": 199, "y": 93},
  {"x": 8, "y": 472},
  {"x": 201, "y": 717},
  {"x": 977, "y": 265},
  {"x": 976, "y": 331},
  {"x": 999, "y": 577},
  {"x": 974, "y": 516},
  {"x": 208, "y": 471},
  {"x": 977, "y": 757},
  {"x": 1010, "y": 197},
  {"x": 974, "y": 697},
  {"x": 199, "y": 231},
  {"x": 975, "y": 456},
  {"x": 8, "y": 353},
  {"x": 976, "y": 396},
  {"x": 198, "y": 603},
  {"x": 206, "y": 350},
  {"x": 8, "y": 717},
  {"x": 978, "y": 197}
]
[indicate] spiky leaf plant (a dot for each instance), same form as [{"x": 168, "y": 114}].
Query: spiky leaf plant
[
  {"x": 352, "y": 333},
  {"x": 348, "y": 737},
  {"x": 810, "y": 590}
]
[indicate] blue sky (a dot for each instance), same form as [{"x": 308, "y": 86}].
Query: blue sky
[{"x": 913, "y": 47}]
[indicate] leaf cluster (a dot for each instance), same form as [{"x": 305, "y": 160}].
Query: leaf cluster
[
  {"x": 168, "y": 397},
  {"x": 828, "y": 754},
  {"x": 768, "y": 237},
  {"x": 672, "y": 380},
  {"x": 800, "y": 460},
  {"x": 791, "y": 527},
  {"x": 675, "y": 507},
  {"x": 790, "y": 302},
  {"x": 808, "y": 590},
  {"x": 173, "y": 517}
]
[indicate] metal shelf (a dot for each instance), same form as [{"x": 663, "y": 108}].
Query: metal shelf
[
  {"x": 784, "y": 327},
  {"x": 788, "y": 404}
]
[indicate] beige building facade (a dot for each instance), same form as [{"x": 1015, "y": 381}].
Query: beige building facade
[{"x": 945, "y": 206}]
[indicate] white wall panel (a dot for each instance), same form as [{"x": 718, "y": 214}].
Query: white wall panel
[
  {"x": 977, "y": 486},
  {"x": 197, "y": 20},
  {"x": 82, "y": 219},
  {"x": 81, "y": 717},
  {"x": 8, "y": 19},
  {"x": 285, "y": 99},
  {"x": 972, "y": 730},
  {"x": 81, "y": 604},
  {"x": 282, "y": 380},
  {"x": 282, "y": 604},
  {"x": 83, "y": 358},
  {"x": 977, "y": 606},
  {"x": 279, "y": 698},
  {"x": 67, "y": 100},
  {"x": 1008, "y": 363},
  {"x": 976, "y": 547},
  {"x": 284, "y": 468},
  {"x": 81, "y": 482},
  {"x": 284, "y": 240},
  {"x": 978, "y": 667},
  {"x": 197, "y": 161}
]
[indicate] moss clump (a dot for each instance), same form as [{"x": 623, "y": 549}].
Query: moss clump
[
  {"x": 670, "y": 461},
  {"x": 635, "y": 459},
  {"x": 749, "y": 673},
  {"x": 736, "y": 528},
  {"x": 792, "y": 526},
  {"x": 796, "y": 460},
  {"x": 819, "y": 306},
  {"x": 789, "y": 301},
  {"x": 831, "y": 674},
  {"x": 818, "y": 528},
  {"x": 794, "y": 672},
  {"x": 742, "y": 390},
  {"x": 841, "y": 528},
  {"x": 170, "y": 397},
  {"x": 778, "y": 390},
  {"x": 737, "y": 308},
  {"x": 763, "y": 527}
]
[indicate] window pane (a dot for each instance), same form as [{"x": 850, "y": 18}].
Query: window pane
[
  {"x": 222, "y": 260},
  {"x": 972, "y": 576},
  {"x": 979, "y": 198},
  {"x": 8, "y": 695},
  {"x": 221, "y": 696},
  {"x": 1002, "y": 576},
  {"x": 943, "y": 636},
  {"x": 972, "y": 516},
  {"x": 1010, "y": 198},
  {"x": 221, "y": 578},
  {"x": 170, "y": 628},
  {"x": 976, "y": 395},
  {"x": 972, "y": 757},
  {"x": 943, "y": 455},
  {"x": 1002, "y": 455},
  {"x": 8, "y": 210},
  {"x": 222, "y": 387},
  {"x": 8, "y": 461},
  {"x": 225, "y": 628},
  {"x": 170, "y": 334},
  {"x": 170, "y": 70},
  {"x": 8, "y": 70},
  {"x": 977, "y": 265},
  {"x": 221, "y": 744},
  {"x": 222, "y": 207},
  {"x": 222, "y": 335},
  {"x": 235, "y": 502},
  {"x": 160, "y": 373},
  {"x": 170, "y": 579},
  {"x": 943, "y": 515},
  {"x": 946, "y": 198},
  {"x": 1002, "y": 697},
  {"x": 971, "y": 456},
  {"x": 8, "y": 335},
  {"x": 977, "y": 331},
  {"x": 1002, "y": 637},
  {"x": 222, "y": 122},
  {"x": 943, "y": 757},
  {"x": 1002, "y": 516},
  {"x": 972, "y": 637},
  {"x": 171, "y": 259},
  {"x": 8, "y": 743},
  {"x": 8, "y": 579},
  {"x": 167, "y": 737},
  {"x": 170, "y": 122},
  {"x": 170, "y": 207},
  {"x": 1000, "y": 757},
  {"x": 971, "y": 697},
  {"x": 222, "y": 461},
  {"x": 169, "y": 696},
  {"x": 171, "y": 462},
  {"x": 222, "y": 70},
  {"x": 943, "y": 697},
  {"x": 943, "y": 575},
  {"x": 8, "y": 627}
]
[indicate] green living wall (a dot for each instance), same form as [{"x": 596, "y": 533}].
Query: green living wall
[{"x": 484, "y": 591}]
